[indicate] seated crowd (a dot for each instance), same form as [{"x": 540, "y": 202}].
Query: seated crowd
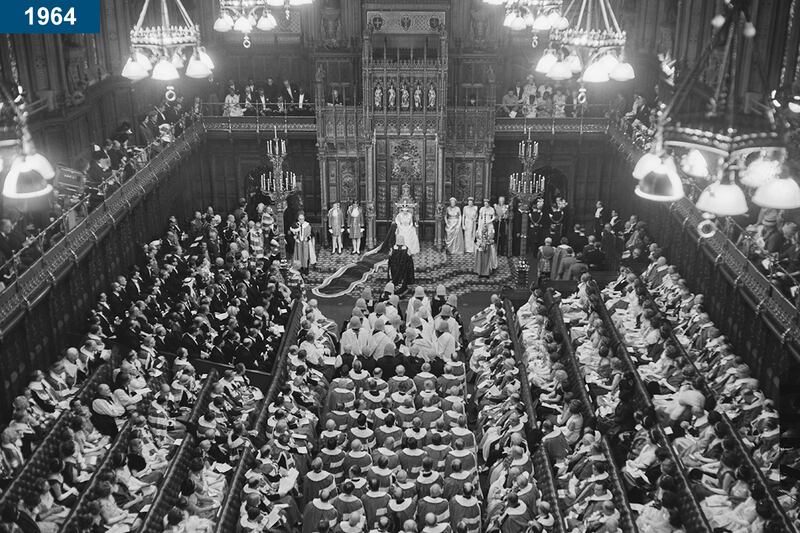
[
  {"x": 373, "y": 429},
  {"x": 572, "y": 444},
  {"x": 155, "y": 321},
  {"x": 110, "y": 164},
  {"x": 697, "y": 384}
]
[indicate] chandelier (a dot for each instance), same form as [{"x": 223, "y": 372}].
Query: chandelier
[
  {"x": 721, "y": 146},
  {"x": 30, "y": 174},
  {"x": 243, "y": 16},
  {"x": 538, "y": 15},
  {"x": 591, "y": 46},
  {"x": 160, "y": 51}
]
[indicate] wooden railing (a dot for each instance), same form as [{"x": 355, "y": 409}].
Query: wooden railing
[
  {"x": 543, "y": 470},
  {"x": 627, "y": 522}
]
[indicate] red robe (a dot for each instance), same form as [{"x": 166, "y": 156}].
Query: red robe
[
  {"x": 411, "y": 461},
  {"x": 333, "y": 461},
  {"x": 346, "y": 504},
  {"x": 315, "y": 511},
  {"x": 438, "y": 506},
  {"x": 438, "y": 454},
  {"x": 515, "y": 519},
  {"x": 361, "y": 459},
  {"x": 401, "y": 511},
  {"x": 375, "y": 506},
  {"x": 467, "y": 510},
  {"x": 425, "y": 480},
  {"x": 315, "y": 482}
]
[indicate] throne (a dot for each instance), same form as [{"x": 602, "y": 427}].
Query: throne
[{"x": 407, "y": 201}]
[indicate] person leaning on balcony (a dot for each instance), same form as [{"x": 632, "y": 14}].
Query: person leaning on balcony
[{"x": 510, "y": 106}]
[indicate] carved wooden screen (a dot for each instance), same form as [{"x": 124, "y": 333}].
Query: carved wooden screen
[{"x": 413, "y": 161}]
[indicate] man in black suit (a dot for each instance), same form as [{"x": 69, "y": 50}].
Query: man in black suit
[
  {"x": 592, "y": 254},
  {"x": 599, "y": 219},
  {"x": 577, "y": 238},
  {"x": 289, "y": 93},
  {"x": 304, "y": 103},
  {"x": 9, "y": 243},
  {"x": 616, "y": 222}
]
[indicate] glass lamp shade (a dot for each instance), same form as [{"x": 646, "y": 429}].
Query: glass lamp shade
[
  {"x": 542, "y": 23},
  {"x": 518, "y": 23},
  {"x": 267, "y": 22},
  {"x": 197, "y": 69},
  {"x": 647, "y": 163},
  {"x": 760, "y": 172},
  {"x": 133, "y": 70},
  {"x": 143, "y": 60},
  {"x": 609, "y": 62},
  {"x": 723, "y": 200},
  {"x": 662, "y": 184},
  {"x": 29, "y": 177},
  {"x": 224, "y": 23},
  {"x": 242, "y": 25},
  {"x": 275, "y": 3},
  {"x": 205, "y": 58},
  {"x": 494, "y": 2},
  {"x": 694, "y": 164},
  {"x": 560, "y": 71},
  {"x": 177, "y": 60},
  {"x": 623, "y": 71},
  {"x": 165, "y": 71},
  {"x": 300, "y": 3},
  {"x": 509, "y": 18},
  {"x": 778, "y": 194},
  {"x": 574, "y": 62},
  {"x": 529, "y": 19},
  {"x": 794, "y": 107},
  {"x": 546, "y": 62},
  {"x": 561, "y": 23},
  {"x": 596, "y": 73}
]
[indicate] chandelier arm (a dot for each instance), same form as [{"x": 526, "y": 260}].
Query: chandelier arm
[
  {"x": 605, "y": 15},
  {"x": 589, "y": 15},
  {"x": 683, "y": 89},
  {"x": 734, "y": 70},
  {"x": 164, "y": 14},
  {"x": 726, "y": 60},
  {"x": 580, "y": 15},
  {"x": 185, "y": 14},
  {"x": 141, "y": 16},
  {"x": 614, "y": 20}
]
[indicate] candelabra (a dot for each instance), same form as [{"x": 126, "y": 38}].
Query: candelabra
[
  {"x": 278, "y": 184},
  {"x": 526, "y": 186}
]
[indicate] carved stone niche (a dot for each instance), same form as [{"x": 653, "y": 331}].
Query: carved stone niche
[{"x": 331, "y": 24}]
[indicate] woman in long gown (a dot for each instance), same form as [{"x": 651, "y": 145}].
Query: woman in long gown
[
  {"x": 486, "y": 254},
  {"x": 454, "y": 234},
  {"x": 407, "y": 229},
  {"x": 401, "y": 266},
  {"x": 468, "y": 221}
]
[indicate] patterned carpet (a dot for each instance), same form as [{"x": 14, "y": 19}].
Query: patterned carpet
[{"x": 457, "y": 273}]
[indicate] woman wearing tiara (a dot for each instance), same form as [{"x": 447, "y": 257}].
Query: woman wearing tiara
[
  {"x": 454, "y": 233},
  {"x": 407, "y": 228},
  {"x": 485, "y": 250}
]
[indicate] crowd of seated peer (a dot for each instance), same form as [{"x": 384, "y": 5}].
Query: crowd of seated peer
[
  {"x": 200, "y": 291},
  {"x": 688, "y": 399},
  {"x": 730, "y": 388},
  {"x": 573, "y": 446},
  {"x": 372, "y": 428}
]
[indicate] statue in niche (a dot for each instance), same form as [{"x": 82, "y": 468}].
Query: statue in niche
[
  {"x": 378, "y": 96},
  {"x": 405, "y": 97},
  {"x": 418, "y": 97},
  {"x": 391, "y": 96},
  {"x": 479, "y": 28},
  {"x": 331, "y": 24},
  {"x": 431, "y": 96}
]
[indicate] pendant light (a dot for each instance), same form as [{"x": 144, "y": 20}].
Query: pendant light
[
  {"x": 661, "y": 184},
  {"x": 723, "y": 198},
  {"x": 547, "y": 61},
  {"x": 781, "y": 193}
]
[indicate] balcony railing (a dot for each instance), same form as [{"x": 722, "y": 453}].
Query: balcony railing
[
  {"x": 764, "y": 288},
  {"x": 79, "y": 230}
]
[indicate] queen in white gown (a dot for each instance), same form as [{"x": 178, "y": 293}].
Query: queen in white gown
[{"x": 406, "y": 227}]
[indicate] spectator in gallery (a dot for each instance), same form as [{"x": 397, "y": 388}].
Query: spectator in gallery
[{"x": 510, "y": 106}]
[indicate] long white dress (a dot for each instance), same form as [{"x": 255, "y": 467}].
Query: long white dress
[
  {"x": 405, "y": 227},
  {"x": 469, "y": 221}
]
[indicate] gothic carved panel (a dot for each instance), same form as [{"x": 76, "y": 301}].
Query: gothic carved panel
[{"x": 406, "y": 22}]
